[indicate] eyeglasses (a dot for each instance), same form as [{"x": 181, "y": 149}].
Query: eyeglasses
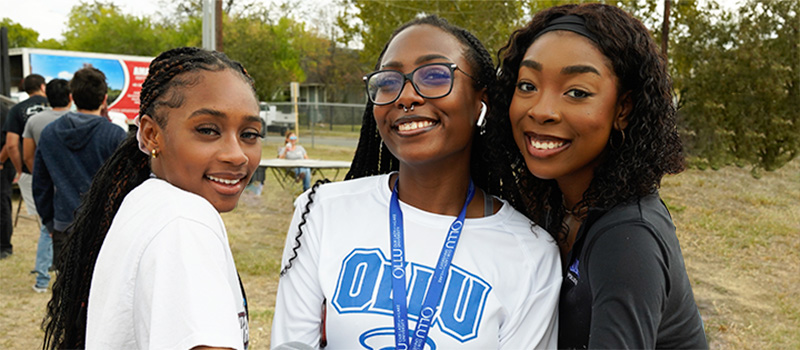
[{"x": 433, "y": 80}]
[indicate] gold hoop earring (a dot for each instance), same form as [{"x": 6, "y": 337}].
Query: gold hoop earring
[{"x": 154, "y": 153}]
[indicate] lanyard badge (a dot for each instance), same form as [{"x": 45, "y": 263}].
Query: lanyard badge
[{"x": 434, "y": 294}]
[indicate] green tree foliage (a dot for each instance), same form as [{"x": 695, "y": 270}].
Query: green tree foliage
[
  {"x": 738, "y": 79},
  {"x": 102, "y": 27},
  {"x": 268, "y": 51},
  {"x": 490, "y": 21},
  {"x": 19, "y": 36},
  {"x": 326, "y": 61}
]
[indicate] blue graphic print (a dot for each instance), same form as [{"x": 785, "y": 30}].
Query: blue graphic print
[
  {"x": 574, "y": 269},
  {"x": 364, "y": 286}
]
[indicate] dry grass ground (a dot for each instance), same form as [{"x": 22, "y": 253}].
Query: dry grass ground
[{"x": 740, "y": 239}]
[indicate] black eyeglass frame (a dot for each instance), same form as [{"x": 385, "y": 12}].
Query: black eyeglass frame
[{"x": 408, "y": 78}]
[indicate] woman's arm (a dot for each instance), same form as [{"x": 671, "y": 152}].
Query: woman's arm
[
  {"x": 628, "y": 272},
  {"x": 298, "y": 305}
]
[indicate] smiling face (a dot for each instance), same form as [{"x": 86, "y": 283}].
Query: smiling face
[
  {"x": 439, "y": 130},
  {"x": 210, "y": 145},
  {"x": 564, "y": 107}
]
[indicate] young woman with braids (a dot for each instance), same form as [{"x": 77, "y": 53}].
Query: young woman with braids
[
  {"x": 591, "y": 114},
  {"x": 380, "y": 261},
  {"x": 148, "y": 260}
]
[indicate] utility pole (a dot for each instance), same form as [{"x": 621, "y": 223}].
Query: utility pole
[
  {"x": 665, "y": 28},
  {"x": 218, "y": 27},
  {"x": 212, "y": 25},
  {"x": 5, "y": 70}
]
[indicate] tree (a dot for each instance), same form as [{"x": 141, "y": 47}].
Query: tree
[
  {"x": 19, "y": 36},
  {"x": 327, "y": 60},
  {"x": 739, "y": 84},
  {"x": 266, "y": 50},
  {"x": 101, "y": 27},
  {"x": 491, "y": 21}
]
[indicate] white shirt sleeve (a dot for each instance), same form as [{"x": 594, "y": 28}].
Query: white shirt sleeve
[
  {"x": 534, "y": 324},
  {"x": 183, "y": 295},
  {"x": 298, "y": 305}
]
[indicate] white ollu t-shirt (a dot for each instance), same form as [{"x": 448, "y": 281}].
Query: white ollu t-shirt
[
  {"x": 501, "y": 290},
  {"x": 165, "y": 277}
]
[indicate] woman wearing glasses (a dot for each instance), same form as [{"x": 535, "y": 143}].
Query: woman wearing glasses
[{"x": 411, "y": 252}]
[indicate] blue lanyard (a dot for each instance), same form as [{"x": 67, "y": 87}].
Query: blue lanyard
[{"x": 431, "y": 301}]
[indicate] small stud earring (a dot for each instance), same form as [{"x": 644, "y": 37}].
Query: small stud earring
[{"x": 154, "y": 153}]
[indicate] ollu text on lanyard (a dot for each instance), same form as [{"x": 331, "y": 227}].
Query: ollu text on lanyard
[{"x": 431, "y": 300}]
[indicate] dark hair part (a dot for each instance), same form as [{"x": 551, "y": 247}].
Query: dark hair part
[
  {"x": 89, "y": 88},
  {"x": 372, "y": 157},
  {"x": 32, "y": 83},
  {"x": 128, "y": 167},
  {"x": 57, "y": 91},
  {"x": 635, "y": 162}
]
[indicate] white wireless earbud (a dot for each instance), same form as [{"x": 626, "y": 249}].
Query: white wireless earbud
[{"x": 482, "y": 117}]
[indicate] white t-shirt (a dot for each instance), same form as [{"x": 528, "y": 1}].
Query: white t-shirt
[
  {"x": 501, "y": 293},
  {"x": 165, "y": 277},
  {"x": 297, "y": 153}
]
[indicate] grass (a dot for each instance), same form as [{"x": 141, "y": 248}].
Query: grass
[{"x": 739, "y": 237}]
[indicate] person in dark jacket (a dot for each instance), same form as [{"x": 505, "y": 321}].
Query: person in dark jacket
[
  {"x": 591, "y": 115},
  {"x": 70, "y": 151}
]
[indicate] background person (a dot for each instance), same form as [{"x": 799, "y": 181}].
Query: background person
[
  {"x": 58, "y": 97},
  {"x": 69, "y": 152},
  {"x": 13, "y": 128},
  {"x": 7, "y": 174},
  {"x": 149, "y": 260},
  {"x": 294, "y": 151},
  {"x": 591, "y": 114},
  {"x": 347, "y": 265}
]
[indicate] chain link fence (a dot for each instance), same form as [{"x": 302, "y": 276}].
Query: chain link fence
[{"x": 325, "y": 115}]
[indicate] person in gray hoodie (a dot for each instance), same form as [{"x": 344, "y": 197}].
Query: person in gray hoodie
[{"x": 70, "y": 151}]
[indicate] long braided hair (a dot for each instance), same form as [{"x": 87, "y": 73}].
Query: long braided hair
[
  {"x": 634, "y": 165},
  {"x": 128, "y": 167},
  {"x": 372, "y": 157}
]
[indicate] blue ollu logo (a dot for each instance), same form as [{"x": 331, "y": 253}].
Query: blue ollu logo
[{"x": 364, "y": 286}]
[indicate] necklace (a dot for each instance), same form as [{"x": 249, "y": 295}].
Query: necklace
[{"x": 577, "y": 214}]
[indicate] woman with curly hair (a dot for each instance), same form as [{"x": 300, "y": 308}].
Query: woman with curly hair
[
  {"x": 591, "y": 115},
  {"x": 147, "y": 264},
  {"x": 410, "y": 252}
]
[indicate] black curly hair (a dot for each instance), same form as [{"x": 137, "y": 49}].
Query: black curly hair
[
  {"x": 372, "y": 157},
  {"x": 650, "y": 146},
  {"x": 128, "y": 167}
]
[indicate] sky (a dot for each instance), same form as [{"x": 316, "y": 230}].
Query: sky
[{"x": 49, "y": 17}]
